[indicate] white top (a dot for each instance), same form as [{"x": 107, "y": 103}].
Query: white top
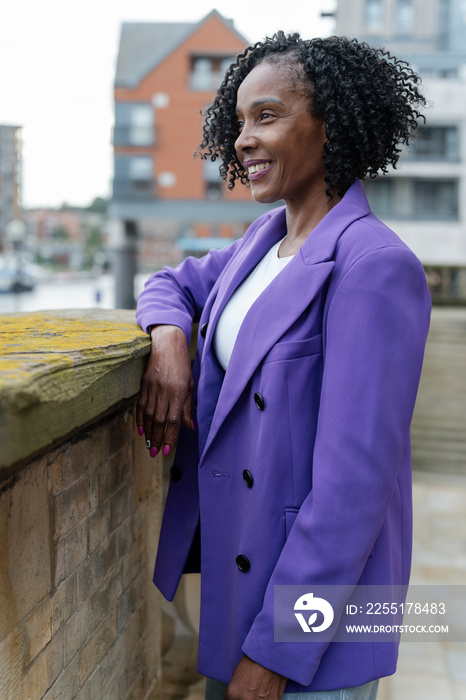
[{"x": 242, "y": 299}]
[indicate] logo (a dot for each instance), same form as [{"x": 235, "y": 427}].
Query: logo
[{"x": 308, "y": 603}]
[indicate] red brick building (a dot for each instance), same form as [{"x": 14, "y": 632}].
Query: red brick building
[{"x": 169, "y": 201}]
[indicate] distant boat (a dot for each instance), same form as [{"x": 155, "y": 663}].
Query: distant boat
[{"x": 14, "y": 281}]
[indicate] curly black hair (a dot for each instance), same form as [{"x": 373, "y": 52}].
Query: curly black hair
[{"x": 366, "y": 97}]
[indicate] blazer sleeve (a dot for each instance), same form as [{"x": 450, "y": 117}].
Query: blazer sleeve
[
  {"x": 376, "y": 330},
  {"x": 176, "y": 296}
]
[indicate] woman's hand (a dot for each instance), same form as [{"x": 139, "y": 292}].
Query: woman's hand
[
  {"x": 166, "y": 389},
  {"x": 251, "y": 681}
]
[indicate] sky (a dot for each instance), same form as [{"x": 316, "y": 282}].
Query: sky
[{"x": 57, "y": 66}]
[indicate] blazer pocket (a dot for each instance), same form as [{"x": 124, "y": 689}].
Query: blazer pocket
[
  {"x": 294, "y": 349},
  {"x": 290, "y": 517}
]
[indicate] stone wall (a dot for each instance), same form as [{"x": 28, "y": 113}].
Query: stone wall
[
  {"x": 80, "y": 508},
  {"x": 80, "y": 617}
]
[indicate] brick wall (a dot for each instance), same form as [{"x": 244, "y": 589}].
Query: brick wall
[{"x": 80, "y": 617}]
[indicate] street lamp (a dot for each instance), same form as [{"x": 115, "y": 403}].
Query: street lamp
[{"x": 15, "y": 234}]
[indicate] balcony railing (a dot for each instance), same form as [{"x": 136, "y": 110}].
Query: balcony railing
[{"x": 133, "y": 189}]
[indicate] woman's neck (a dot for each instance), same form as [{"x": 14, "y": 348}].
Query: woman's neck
[{"x": 301, "y": 220}]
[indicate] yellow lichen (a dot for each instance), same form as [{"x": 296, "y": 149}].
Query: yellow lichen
[{"x": 34, "y": 344}]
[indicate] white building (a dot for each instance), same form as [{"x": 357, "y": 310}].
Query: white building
[{"x": 424, "y": 199}]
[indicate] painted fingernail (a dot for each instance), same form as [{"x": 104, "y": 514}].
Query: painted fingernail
[
  {"x": 141, "y": 430},
  {"x": 148, "y": 444},
  {"x": 192, "y": 424},
  {"x": 153, "y": 451},
  {"x": 166, "y": 450}
]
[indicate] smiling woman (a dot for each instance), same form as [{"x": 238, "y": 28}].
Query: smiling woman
[
  {"x": 281, "y": 146},
  {"x": 293, "y": 462}
]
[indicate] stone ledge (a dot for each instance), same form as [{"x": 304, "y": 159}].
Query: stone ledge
[{"x": 59, "y": 370}]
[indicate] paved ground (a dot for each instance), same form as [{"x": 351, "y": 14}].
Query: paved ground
[{"x": 426, "y": 670}]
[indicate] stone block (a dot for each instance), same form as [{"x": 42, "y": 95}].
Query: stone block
[
  {"x": 96, "y": 647},
  {"x": 45, "y": 669},
  {"x": 59, "y": 562},
  {"x": 105, "y": 597},
  {"x": 121, "y": 506},
  {"x": 25, "y": 544},
  {"x": 76, "y": 547},
  {"x": 97, "y": 445},
  {"x": 64, "y": 602},
  {"x": 68, "y": 466},
  {"x": 38, "y": 630},
  {"x": 124, "y": 538},
  {"x": 119, "y": 431},
  {"x": 111, "y": 669},
  {"x": 94, "y": 497},
  {"x": 135, "y": 629},
  {"x": 147, "y": 471},
  {"x": 91, "y": 688},
  {"x": 76, "y": 631},
  {"x": 71, "y": 365},
  {"x": 71, "y": 506},
  {"x": 66, "y": 685},
  {"x": 113, "y": 474},
  {"x": 93, "y": 571},
  {"x": 11, "y": 665},
  {"x": 135, "y": 673},
  {"x": 130, "y": 600},
  {"x": 99, "y": 525},
  {"x": 132, "y": 562}
]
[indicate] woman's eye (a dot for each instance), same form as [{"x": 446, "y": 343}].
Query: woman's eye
[{"x": 265, "y": 115}]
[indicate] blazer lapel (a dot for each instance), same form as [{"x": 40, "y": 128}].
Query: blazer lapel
[
  {"x": 283, "y": 301},
  {"x": 271, "y": 231}
]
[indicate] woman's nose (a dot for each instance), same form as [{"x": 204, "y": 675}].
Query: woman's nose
[{"x": 246, "y": 139}]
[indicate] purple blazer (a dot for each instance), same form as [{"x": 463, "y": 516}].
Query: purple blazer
[{"x": 300, "y": 468}]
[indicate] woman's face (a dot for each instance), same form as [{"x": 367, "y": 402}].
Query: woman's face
[{"x": 281, "y": 145}]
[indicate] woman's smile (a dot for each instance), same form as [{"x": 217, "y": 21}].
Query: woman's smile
[{"x": 257, "y": 169}]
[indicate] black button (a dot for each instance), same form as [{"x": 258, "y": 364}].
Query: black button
[
  {"x": 175, "y": 473},
  {"x": 248, "y": 478},
  {"x": 259, "y": 401},
  {"x": 243, "y": 563},
  {"x": 204, "y": 329}
]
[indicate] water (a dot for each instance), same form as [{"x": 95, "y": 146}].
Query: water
[{"x": 67, "y": 294}]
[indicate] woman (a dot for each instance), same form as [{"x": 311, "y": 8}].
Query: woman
[{"x": 293, "y": 461}]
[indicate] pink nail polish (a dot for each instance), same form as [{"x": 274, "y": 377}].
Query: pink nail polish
[
  {"x": 192, "y": 424},
  {"x": 153, "y": 451},
  {"x": 166, "y": 450},
  {"x": 141, "y": 430}
]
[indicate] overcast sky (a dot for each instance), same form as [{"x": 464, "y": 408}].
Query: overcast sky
[{"x": 57, "y": 64}]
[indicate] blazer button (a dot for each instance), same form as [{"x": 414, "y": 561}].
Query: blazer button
[
  {"x": 175, "y": 473},
  {"x": 248, "y": 478},
  {"x": 204, "y": 329},
  {"x": 259, "y": 401},
  {"x": 243, "y": 562}
]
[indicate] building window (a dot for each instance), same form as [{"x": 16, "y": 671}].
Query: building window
[
  {"x": 213, "y": 182},
  {"x": 207, "y": 72},
  {"x": 404, "y": 21},
  {"x": 413, "y": 199},
  {"x": 134, "y": 124},
  {"x": 373, "y": 15},
  {"x": 134, "y": 176},
  {"x": 443, "y": 22},
  {"x": 436, "y": 199},
  {"x": 436, "y": 143}
]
